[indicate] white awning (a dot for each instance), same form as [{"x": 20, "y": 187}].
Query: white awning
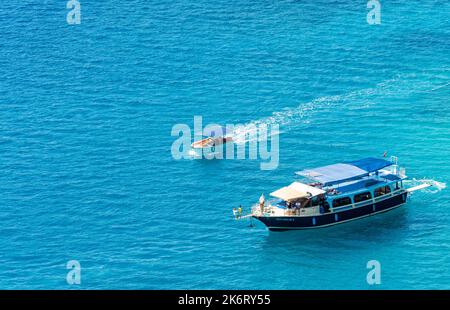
[
  {"x": 296, "y": 191},
  {"x": 288, "y": 194},
  {"x": 314, "y": 191}
]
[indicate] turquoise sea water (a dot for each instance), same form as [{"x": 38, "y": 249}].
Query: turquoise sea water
[{"x": 86, "y": 171}]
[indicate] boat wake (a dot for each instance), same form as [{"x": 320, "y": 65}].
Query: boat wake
[
  {"x": 250, "y": 133},
  {"x": 193, "y": 154},
  {"x": 435, "y": 187},
  {"x": 301, "y": 114}
]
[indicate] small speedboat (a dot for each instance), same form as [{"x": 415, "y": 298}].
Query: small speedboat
[
  {"x": 336, "y": 194},
  {"x": 218, "y": 137}
]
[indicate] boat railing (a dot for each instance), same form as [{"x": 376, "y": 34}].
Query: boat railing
[
  {"x": 372, "y": 200},
  {"x": 267, "y": 210},
  {"x": 341, "y": 208},
  {"x": 361, "y": 203},
  {"x": 394, "y": 160},
  {"x": 382, "y": 197},
  {"x": 273, "y": 210}
]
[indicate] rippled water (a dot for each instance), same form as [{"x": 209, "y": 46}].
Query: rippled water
[{"x": 86, "y": 114}]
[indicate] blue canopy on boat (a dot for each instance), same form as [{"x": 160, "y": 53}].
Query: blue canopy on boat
[
  {"x": 332, "y": 174},
  {"x": 370, "y": 164}
]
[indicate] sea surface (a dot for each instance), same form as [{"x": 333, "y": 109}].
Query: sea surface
[{"x": 86, "y": 114}]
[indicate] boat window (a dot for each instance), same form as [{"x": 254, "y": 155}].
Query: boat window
[
  {"x": 326, "y": 206},
  {"x": 362, "y": 197},
  {"x": 397, "y": 185},
  {"x": 315, "y": 201},
  {"x": 341, "y": 202},
  {"x": 380, "y": 191}
]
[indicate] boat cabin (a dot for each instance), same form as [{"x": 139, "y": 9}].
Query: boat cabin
[
  {"x": 339, "y": 187},
  {"x": 299, "y": 198},
  {"x": 351, "y": 194}
]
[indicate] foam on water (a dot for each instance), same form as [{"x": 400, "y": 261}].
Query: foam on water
[
  {"x": 401, "y": 83},
  {"x": 436, "y": 186},
  {"x": 404, "y": 83}
]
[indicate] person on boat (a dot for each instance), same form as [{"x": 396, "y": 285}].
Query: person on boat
[
  {"x": 326, "y": 207},
  {"x": 321, "y": 209},
  {"x": 262, "y": 200},
  {"x": 239, "y": 211},
  {"x": 235, "y": 213},
  {"x": 290, "y": 207}
]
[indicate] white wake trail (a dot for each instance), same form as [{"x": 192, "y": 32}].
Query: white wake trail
[
  {"x": 401, "y": 83},
  {"x": 435, "y": 187}
]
